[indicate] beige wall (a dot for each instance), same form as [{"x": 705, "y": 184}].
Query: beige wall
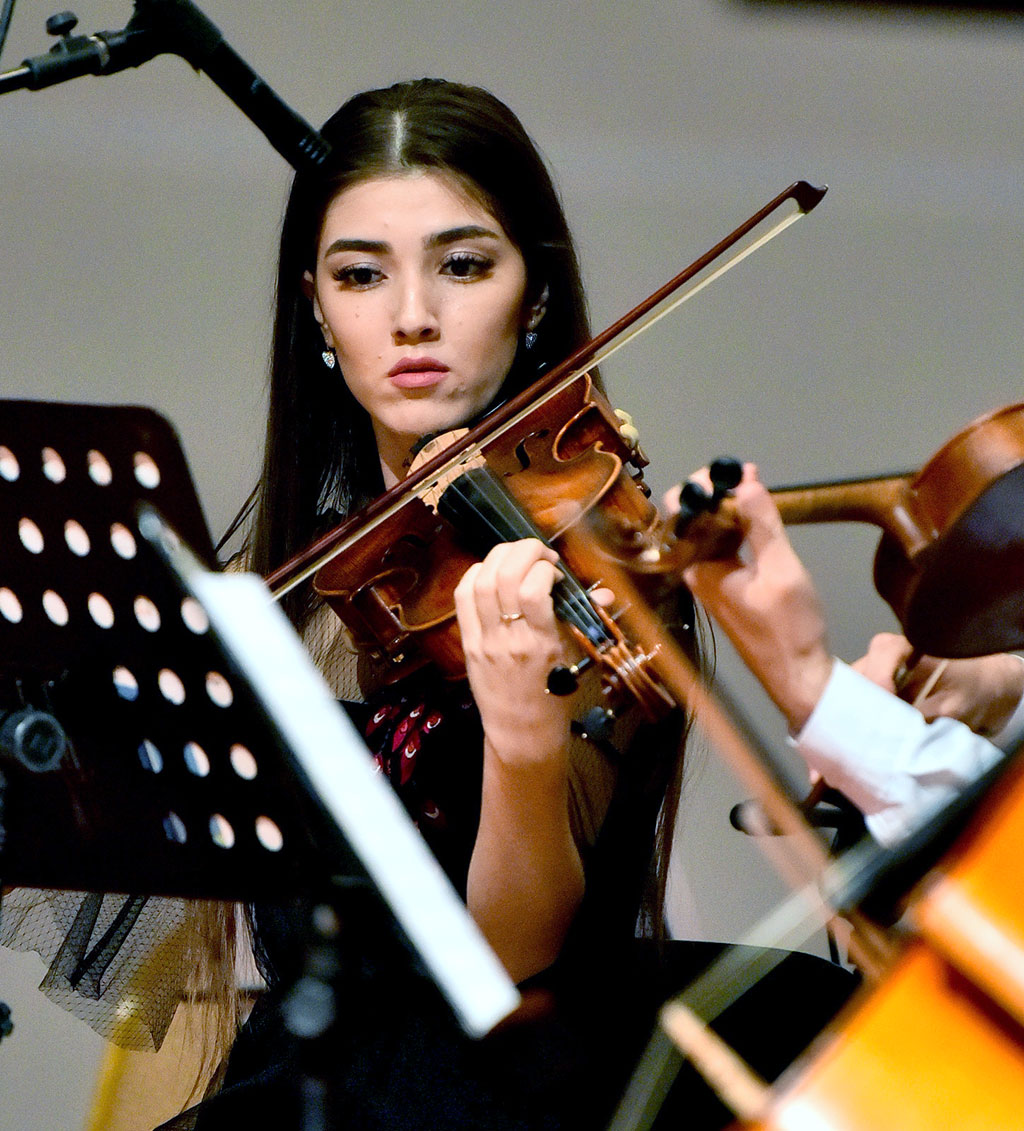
[{"x": 138, "y": 213}]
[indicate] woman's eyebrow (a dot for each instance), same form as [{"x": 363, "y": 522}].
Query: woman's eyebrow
[
  {"x": 373, "y": 247},
  {"x": 439, "y": 239},
  {"x": 453, "y": 235}
]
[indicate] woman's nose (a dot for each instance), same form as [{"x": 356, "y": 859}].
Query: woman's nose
[{"x": 416, "y": 318}]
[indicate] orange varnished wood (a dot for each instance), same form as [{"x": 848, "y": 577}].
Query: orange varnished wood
[
  {"x": 923, "y": 1053},
  {"x": 972, "y": 908},
  {"x": 939, "y": 1043}
]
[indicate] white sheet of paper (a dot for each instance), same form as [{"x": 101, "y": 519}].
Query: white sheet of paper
[{"x": 337, "y": 762}]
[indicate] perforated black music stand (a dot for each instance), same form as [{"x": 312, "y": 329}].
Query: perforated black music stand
[{"x": 205, "y": 755}]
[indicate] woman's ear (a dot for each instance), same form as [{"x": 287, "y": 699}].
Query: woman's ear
[
  {"x": 309, "y": 290},
  {"x": 535, "y": 312}
]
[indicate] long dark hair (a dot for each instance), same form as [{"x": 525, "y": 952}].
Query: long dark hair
[{"x": 320, "y": 460}]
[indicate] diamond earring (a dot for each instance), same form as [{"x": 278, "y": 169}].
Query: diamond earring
[
  {"x": 529, "y": 339},
  {"x": 329, "y": 359}
]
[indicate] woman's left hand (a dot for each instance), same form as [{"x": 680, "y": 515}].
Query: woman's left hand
[
  {"x": 512, "y": 641},
  {"x": 526, "y": 876}
]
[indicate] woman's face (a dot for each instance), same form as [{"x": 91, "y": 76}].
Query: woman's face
[{"x": 423, "y": 297}]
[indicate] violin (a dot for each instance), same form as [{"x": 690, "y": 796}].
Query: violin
[
  {"x": 534, "y": 467},
  {"x": 394, "y": 589}
]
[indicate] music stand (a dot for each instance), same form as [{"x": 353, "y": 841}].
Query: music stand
[{"x": 205, "y": 755}]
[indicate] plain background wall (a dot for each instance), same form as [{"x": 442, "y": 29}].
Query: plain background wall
[{"x": 138, "y": 217}]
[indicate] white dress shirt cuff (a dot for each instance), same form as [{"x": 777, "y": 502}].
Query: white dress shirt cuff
[{"x": 880, "y": 752}]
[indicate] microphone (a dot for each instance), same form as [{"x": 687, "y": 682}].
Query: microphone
[{"x": 177, "y": 27}]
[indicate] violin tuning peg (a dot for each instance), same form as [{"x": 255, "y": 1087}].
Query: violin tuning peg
[
  {"x": 562, "y": 681},
  {"x": 726, "y": 473}
]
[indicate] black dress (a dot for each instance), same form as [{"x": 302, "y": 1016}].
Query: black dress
[{"x": 395, "y": 1056}]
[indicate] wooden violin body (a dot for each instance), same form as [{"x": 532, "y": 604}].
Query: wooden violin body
[{"x": 393, "y": 588}]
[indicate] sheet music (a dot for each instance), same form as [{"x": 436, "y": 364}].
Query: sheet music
[{"x": 335, "y": 759}]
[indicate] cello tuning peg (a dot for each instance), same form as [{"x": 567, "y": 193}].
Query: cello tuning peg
[{"x": 726, "y": 473}]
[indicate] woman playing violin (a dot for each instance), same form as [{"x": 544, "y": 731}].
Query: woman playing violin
[
  {"x": 425, "y": 276},
  {"x": 422, "y": 298}
]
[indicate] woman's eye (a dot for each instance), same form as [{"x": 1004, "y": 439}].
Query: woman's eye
[
  {"x": 358, "y": 275},
  {"x": 465, "y": 266}
]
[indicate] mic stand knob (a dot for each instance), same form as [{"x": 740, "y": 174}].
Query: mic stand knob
[{"x": 62, "y": 24}]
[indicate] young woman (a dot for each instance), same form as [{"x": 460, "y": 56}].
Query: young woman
[{"x": 426, "y": 275}]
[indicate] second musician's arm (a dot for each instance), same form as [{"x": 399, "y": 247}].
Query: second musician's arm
[{"x": 881, "y": 752}]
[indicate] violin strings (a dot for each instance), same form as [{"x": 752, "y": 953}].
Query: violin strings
[
  {"x": 571, "y": 600},
  {"x": 478, "y": 497}
]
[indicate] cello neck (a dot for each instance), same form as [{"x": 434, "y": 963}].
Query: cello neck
[{"x": 881, "y": 501}]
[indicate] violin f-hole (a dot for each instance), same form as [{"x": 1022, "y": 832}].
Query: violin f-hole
[{"x": 520, "y": 449}]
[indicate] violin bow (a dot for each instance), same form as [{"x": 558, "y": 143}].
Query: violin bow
[{"x": 765, "y": 224}]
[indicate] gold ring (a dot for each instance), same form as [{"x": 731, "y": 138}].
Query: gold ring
[{"x": 508, "y": 618}]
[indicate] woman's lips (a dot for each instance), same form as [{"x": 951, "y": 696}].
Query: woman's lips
[{"x": 417, "y": 373}]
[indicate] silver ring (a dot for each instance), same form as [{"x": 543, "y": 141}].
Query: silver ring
[{"x": 508, "y": 618}]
